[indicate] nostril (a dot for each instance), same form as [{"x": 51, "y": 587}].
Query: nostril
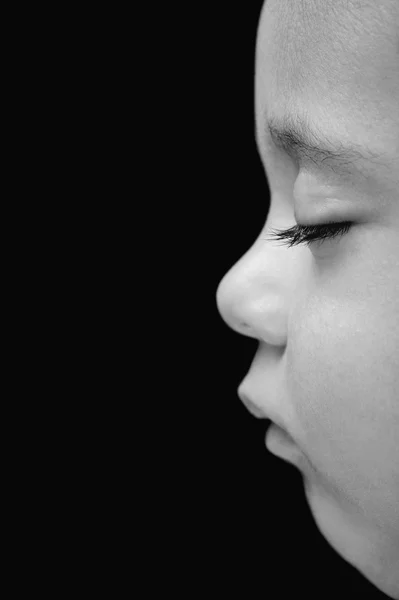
[{"x": 245, "y": 329}]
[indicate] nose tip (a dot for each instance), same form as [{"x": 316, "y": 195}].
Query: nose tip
[
  {"x": 220, "y": 297},
  {"x": 230, "y": 310}
]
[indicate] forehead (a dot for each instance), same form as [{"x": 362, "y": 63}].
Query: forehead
[{"x": 334, "y": 62}]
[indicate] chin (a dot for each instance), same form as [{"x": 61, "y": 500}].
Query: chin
[{"x": 354, "y": 539}]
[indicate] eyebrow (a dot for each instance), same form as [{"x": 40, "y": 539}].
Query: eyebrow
[{"x": 305, "y": 143}]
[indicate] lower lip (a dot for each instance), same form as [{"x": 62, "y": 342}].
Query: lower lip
[{"x": 281, "y": 444}]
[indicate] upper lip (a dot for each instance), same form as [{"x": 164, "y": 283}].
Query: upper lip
[{"x": 258, "y": 411}]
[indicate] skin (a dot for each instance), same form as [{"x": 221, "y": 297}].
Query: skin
[{"x": 327, "y": 317}]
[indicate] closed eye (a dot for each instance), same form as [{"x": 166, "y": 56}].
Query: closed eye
[{"x": 307, "y": 234}]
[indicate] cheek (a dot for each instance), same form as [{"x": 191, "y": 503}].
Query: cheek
[{"x": 343, "y": 380}]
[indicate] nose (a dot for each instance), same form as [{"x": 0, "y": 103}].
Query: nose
[
  {"x": 233, "y": 309},
  {"x": 252, "y": 296}
]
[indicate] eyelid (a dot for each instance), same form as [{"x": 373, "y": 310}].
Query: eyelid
[{"x": 309, "y": 234}]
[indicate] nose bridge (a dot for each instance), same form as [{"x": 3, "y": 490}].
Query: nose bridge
[{"x": 252, "y": 297}]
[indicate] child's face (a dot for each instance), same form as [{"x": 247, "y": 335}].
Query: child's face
[{"x": 327, "y": 315}]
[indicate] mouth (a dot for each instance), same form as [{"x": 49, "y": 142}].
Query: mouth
[
  {"x": 277, "y": 440},
  {"x": 259, "y": 412},
  {"x": 281, "y": 444}
]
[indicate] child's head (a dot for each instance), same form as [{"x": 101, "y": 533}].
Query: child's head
[{"x": 326, "y": 311}]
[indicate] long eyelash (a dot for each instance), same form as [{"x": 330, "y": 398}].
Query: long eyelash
[{"x": 300, "y": 234}]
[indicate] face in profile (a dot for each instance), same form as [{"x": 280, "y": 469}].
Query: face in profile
[{"x": 319, "y": 288}]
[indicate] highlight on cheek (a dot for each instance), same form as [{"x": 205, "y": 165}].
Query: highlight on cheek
[{"x": 301, "y": 234}]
